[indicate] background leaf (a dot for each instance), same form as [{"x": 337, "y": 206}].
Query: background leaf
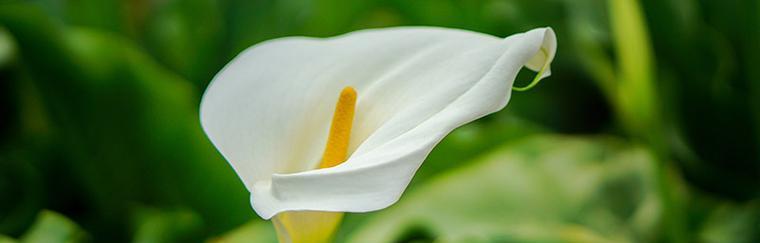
[
  {"x": 54, "y": 228},
  {"x": 542, "y": 188}
]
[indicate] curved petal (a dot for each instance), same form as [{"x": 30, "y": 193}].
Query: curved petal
[{"x": 268, "y": 111}]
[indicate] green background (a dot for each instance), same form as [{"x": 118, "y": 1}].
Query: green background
[{"x": 648, "y": 129}]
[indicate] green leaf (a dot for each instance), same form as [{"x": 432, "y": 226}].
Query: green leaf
[
  {"x": 6, "y": 239},
  {"x": 129, "y": 128},
  {"x": 157, "y": 226},
  {"x": 473, "y": 139},
  {"x": 637, "y": 101},
  {"x": 255, "y": 231},
  {"x": 187, "y": 37},
  {"x": 732, "y": 223},
  {"x": 7, "y": 48},
  {"x": 543, "y": 188},
  {"x": 52, "y": 227}
]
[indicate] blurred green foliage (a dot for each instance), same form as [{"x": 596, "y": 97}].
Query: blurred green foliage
[
  {"x": 51, "y": 227},
  {"x": 539, "y": 189},
  {"x": 657, "y": 103}
]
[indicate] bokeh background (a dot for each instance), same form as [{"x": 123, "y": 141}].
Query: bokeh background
[{"x": 647, "y": 131}]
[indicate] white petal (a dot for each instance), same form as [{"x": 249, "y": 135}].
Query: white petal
[{"x": 268, "y": 111}]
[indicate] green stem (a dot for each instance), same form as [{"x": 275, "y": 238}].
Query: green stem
[{"x": 540, "y": 73}]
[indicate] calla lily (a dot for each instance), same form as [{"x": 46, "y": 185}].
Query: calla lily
[{"x": 272, "y": 111}]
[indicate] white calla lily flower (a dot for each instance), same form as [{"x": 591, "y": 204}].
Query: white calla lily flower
[{"x": 269, "y": 111}]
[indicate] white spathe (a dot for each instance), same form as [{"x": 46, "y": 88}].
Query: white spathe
[{"x": 269, "y": 110}]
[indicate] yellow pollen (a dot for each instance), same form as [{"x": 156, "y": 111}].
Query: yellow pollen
[
  {"x": 317, "y": 226},
  {"x": 336, "y": 149}
]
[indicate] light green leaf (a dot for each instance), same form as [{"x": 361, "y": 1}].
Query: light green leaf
[
  {"x": 156, "y": 226},
  {"x": 637, "y": 101},
  {"x": 6, "y": 239},
  {"x": 732, "y": 223},
  {"x": 52, "y": 227},
  {"x": 255, "y": 231},
  {"x": 7, "y": 48},
  {"x": 543, "y": 188}
]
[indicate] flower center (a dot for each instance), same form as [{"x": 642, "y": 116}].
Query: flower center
[
  {"x": 336, "y": 149},
  {"x": 316, "y": 226}
]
